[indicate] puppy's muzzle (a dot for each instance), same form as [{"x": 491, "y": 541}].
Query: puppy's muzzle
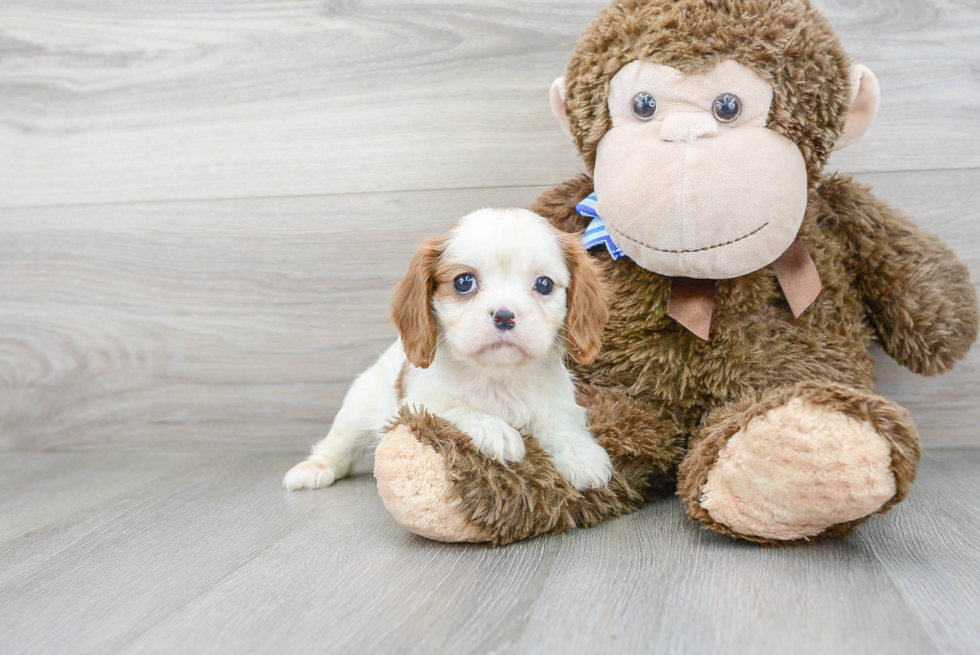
[{"x": 503, "y": 319}]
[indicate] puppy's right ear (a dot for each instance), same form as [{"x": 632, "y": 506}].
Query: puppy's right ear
[{"x": 411, "y": 304}]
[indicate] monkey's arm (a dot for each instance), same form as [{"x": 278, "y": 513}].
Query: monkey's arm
[
  {"x": 920, "y": 299},
  {"x": 436, "y": 483}
]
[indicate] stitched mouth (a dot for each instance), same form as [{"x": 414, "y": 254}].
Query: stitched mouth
[{"x": 681, "y": 252}]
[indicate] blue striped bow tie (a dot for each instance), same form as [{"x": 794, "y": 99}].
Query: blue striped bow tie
[{"x": 596, "y": 234}]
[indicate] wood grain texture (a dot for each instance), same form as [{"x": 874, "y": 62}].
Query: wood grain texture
[
  {"x": 202, "y": 324},
  {"x": 176, "y": 99},
  {"x": 217, "y": 324},
  {"x": 934, "y": 562},
  {"x": 204, "y": 206},
  {"x": 209, "y": 555}
]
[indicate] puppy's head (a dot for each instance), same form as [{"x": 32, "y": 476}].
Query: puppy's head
[{"x": 501, "y": 287}]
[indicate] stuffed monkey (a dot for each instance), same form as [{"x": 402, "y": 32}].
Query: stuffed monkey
[{"x": 746, "y": 285}]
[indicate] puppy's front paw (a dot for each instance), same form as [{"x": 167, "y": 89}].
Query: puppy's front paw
[
  {"x": 310, "y": 474},
  {"x": 586, "y": 465},
  {"x": 494, "y": 437}
]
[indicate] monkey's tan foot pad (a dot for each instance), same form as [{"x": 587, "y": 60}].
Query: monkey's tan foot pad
[
  {"x": 793, "y": 471},
  {"x": 414, "y": 484}
]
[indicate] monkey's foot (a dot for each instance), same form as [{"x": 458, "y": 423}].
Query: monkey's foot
[
  {"x": 414, "y": 484},
  {"x": 812, "y": 460}
]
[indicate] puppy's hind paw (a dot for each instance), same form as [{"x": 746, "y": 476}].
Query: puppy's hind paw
[
  {"x": 585, "y": 466},
  {"x": 310, "y": 474}
]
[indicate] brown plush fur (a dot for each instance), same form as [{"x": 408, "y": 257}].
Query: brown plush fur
[
  {"x": 925, "y": 316},
  {"x": 654, "y": 385}
]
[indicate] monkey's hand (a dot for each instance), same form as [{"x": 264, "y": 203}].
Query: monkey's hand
[{"x": 919, "y": 296}]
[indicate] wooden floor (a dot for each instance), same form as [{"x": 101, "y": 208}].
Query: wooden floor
[{"x": 204, "y": 553}]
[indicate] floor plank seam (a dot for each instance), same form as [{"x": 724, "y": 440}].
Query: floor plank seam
[{"x": 402, "y": 192}]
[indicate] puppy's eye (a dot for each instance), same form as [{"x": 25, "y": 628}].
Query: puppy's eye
[
  {"x": 644, "y": 106},
  {"x": 544, "y": 285},
  {"x": 465, "y": 284},
  {"x": 726, "y": 107}
]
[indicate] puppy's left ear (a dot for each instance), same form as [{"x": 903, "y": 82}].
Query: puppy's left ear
[
  {"x": 411, "y": 304},
  {"x": 587, "y": 312}
]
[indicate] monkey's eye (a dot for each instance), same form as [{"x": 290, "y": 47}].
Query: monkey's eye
[
  {"x": 544, "y": 285},
  {"x": 726, "y": 107},
  {"x": 644, "y": 106},
  {"x": 465, "y": 284}
]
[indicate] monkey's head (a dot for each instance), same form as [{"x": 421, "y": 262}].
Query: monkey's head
[{"x": 705, "y": 124}]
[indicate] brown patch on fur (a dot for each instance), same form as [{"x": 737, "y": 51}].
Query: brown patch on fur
[
  {"x": 411, "y": 304},
  {"x": 445, "y": 274},
  {"x": 444, "y": 292},
  {"x": 400, "y": 392},
  {"x": 587, "y": 312},
  {"x": 888, "y": 419}
]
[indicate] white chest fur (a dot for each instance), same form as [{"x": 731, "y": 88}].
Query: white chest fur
[{"x": 521, "y": 396}]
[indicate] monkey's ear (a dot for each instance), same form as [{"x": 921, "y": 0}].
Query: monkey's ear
[
  {"x": 558, "y": 105},
  {"x": 864, "y": 105}
]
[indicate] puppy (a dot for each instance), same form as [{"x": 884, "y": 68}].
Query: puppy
[{"x": 485, "y": 313}]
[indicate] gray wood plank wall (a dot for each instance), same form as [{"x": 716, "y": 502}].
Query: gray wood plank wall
[{"x": 204, "y": 205}]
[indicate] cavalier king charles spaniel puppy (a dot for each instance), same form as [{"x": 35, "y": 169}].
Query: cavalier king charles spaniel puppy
[{"x": 486, "y": 314}]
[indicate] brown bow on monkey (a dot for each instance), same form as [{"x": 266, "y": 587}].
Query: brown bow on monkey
[{"x": 693, "y": 185}]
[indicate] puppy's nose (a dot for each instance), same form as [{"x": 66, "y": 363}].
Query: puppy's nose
[{"x": 503, "y": 319}]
